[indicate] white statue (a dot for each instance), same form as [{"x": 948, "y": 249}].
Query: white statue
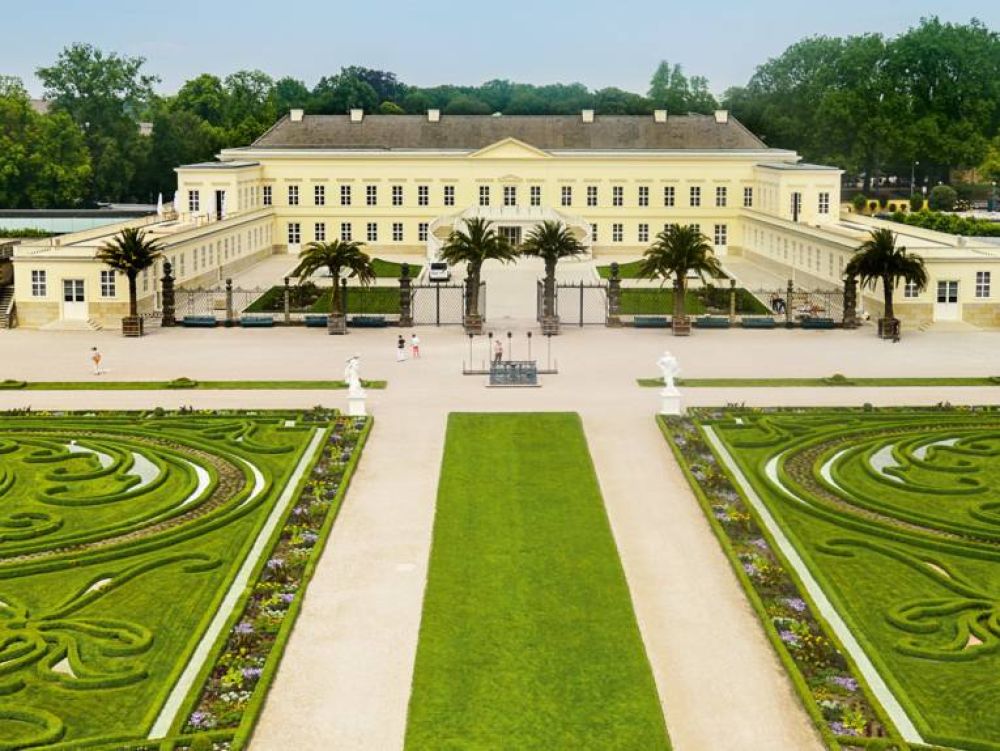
[
  {"x": 352, "y": 376},
  {"x": 670, "y": 369}
]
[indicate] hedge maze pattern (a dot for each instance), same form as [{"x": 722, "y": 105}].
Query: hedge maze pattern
[
  {"x": 119, "y": 537},
  {"x": 897, "y": 515}
]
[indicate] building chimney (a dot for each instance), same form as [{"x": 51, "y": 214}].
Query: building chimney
[
  {"x": 433, "y": 116},
  {"x": 587, "y": 115},
  {"x": 296, "y": 115},
  {"x": 357, "y": 115},
  {"x": 722, "y": 116},
  {"x": 659, "y": 116}
]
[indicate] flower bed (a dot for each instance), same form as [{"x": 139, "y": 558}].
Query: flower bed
[{"x": 826, "y": 682}]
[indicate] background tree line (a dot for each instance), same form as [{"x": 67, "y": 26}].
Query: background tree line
[{"x": 868, "y": 104}]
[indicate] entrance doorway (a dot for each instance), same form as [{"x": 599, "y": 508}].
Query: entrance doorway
[
  {"x": 74, "y": 300},
  {"x": 946, "y": 304},
  {"x": 220, "y": 204}
]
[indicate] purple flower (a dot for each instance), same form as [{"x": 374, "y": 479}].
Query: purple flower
[
  {"x": 275, "y": 563},
  {"x": 201, "y": 720},
  {"x": 300, "y": 510},
  {"x": 287, "y": 597},
  {"x": 796, "y": 603},
  {"x": 251, "y": 674},
  {"x": 750, "y": 568},
  {"x": 840, "y": 728},
  {"x": 243, "y": 628},
  {"x": 845, "y": 682},
  {"x": 789, "y": 638},
  {"x": 309, "y": 538},
  {"x": 760, "y": 543}
]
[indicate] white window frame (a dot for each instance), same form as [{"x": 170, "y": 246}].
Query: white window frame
[
  {"x": 371, "y": 195},
  {"x": 268, "y": 195},
  {"x": 748, "y": 197},
  {"x": 346, "y": 232},
  {"x": 566, "y": 195},
  {"x": 643, "y": 233},
  {"x": 669, "y": 196},
  {"x": 294, "y": 233},
  {"x": 593, "y": 232},
  {"x": 484, "y": 195},
  {"x": 371, "y": 232},
  {"x": 510, "y": 195},
  {"x": 397, "y": 232},
  {"x": 422, "y": 230},
  {"x": 591, "y": 195},
  {"x": 617, "y": 195},
  {"x": 824, "y": 203},
  {"x": 694, "y": 196},
  {"x": 721, "y": 196},
  {"x": 721, "y": 235},
  {"x": 449, "y": 195},
  {"x": 910, "y": 290},
  {"x": 194, "y": 201},
  {"x": 293, "y": 195},
  {"x": 319, "y": 195},
  {"x": 345, "y": 195},
  {"x": 397, "y": 195},
  {"x": 535, "y": 195},
  {"x": 617, "y": 232},
  {"x": 984, "y": 282},
  {"x": 643, "y": 196},
  {"x": 319, "y": 232},
  {"x": 423, "y": 195},
  {"x": 39, "y": 283}
]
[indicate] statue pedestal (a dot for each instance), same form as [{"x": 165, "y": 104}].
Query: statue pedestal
[
  {"x": 356, "y": 404},
  {"x": 670, "y": 402}
]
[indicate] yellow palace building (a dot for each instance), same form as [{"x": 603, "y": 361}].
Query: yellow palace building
[{"x": 401, "y": 183}]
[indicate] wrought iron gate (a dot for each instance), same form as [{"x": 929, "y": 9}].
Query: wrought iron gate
[{"x": 579, "y": 304}]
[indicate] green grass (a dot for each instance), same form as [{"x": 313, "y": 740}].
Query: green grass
[
  {"x": 115, "y": 556},
  {"x": 179, "y": 384},
  {"x": 377, "y": 300},
  {"x": 628, "y": 270},
  {"x": 817, "y": 382},
  {"x": 894, "y": 512},
  {"x": 391, "y": 270},
  {"x": 660, "y": 301},
  {"x": 528, "y": 639}
]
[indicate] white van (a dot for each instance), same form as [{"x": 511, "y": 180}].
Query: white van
[{"x": 439, "y": 271}]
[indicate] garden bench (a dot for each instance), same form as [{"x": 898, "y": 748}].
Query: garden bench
[
  {"x": 818, "y": 323},
  {"x": 316, "y": 321},
  {"x": 368, "y": 322},
  {"x": 651, "y": 322},
  {"x": 711, "y": 322},
  {"x": 207, "y": 322},
  {"x": 757, "y": 322},
  {"x": 256, "y": 321}
]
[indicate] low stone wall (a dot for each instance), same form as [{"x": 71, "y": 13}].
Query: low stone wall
[
  {"x": 984, "y": 314},
  {"x": 32, "y": 315}
]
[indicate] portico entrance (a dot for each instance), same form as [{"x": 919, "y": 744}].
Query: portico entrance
[
  {"x": 946, "y": 306},
  {"x": 74, "y": 300}
]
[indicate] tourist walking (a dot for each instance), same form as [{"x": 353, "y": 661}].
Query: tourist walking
[
  {"x": 400, "y": 349},
  {"x": 95, "y": 357},
  {"x": 497, "y": 351},
  {"x": 415, "y": 346}
]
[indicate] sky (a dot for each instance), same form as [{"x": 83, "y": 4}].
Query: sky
[{"x": 595, "y": 42}]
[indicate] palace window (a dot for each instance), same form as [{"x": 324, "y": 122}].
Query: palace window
[
  {"x": 910, "y": 290},
  {"x": 748, "y": 198},
  {"x": 423, "y": 195},
  {"x": 345, "y": 195},
  {"x": 721, "y": 234},
  {"x": 721, "y": 196},
  {"x": 509, "y": 195},
  {"x": 696, "y": 227},
  {"x": 484, "y": 195},
  {"x": 107, "y": 283},
  {"x": 449, "y": 195},
  {"x": 319, "y": 232},
  {"x": 644, "y": 195},
  {"x": 294, "y": 233},
  {"x": 591, "y": 195},
  {"x": 644, "y": 233},
  {"x": 346, "y": 232},
  {"x": 695, "y": 196},
  {"x": 422, "y": 232},
  {"x": 982, "y": 284},
  {"x": 397, "y": 232},
  {"x": 535, "y": 195},
  {"x": 293, "y": 195},
  {"x": 617, "y": 232},
  {"x": 566, "y": 195},
  {"x": 372, "y": 232},
  {"x": 194, "y": 201},
  {"x": 796, "y": 205},
  {"x": 617, "y": 195},
  {"x": 670, "y": 226},
  {"x": 669, "y": 195},
  {"x": 593, "y": 233},
  {"x": 268, "y": 196},
  {"x": 824, "y": 203},
  {"x": 371, "y": 195},
  {"x": 319, "y": 195},
  {"x": 397, "y": 195}
]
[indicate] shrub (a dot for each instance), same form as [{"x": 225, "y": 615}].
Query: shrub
[
  {"x": 201, "y": 742},
  {"x": 859, "y": 201},
  {"x": 942, "y": 198},
  {"x": 182, "y": 383},
  {"x": 916, "y": 202},
  {"x": 10, "y": 383}
]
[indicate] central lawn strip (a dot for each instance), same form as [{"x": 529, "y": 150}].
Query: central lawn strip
[
  {"x": 814, "y": 382},
  {"x": 180, "y": 384},
  {"x": 528, "y": 638}
]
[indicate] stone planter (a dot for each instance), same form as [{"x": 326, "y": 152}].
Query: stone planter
[
  {"x": 888, "y": 328},
  {"x": 681, "y": 326},
  {"x": 336, "y": 323},
  {"x": 132, "y": 326},
  {"x": 473, "y": 324},
  {"x": 550, "y": 325}
]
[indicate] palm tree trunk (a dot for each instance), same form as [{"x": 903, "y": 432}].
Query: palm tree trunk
[
  {"x": 472, "y": 293},
  {"x": 335, "y": 301},
  {"x": 550, "y": 288},
  {"x": 679, "y": 295},
  {"x": 887, "y": 290},
  {"x": 133, "y": 303}
]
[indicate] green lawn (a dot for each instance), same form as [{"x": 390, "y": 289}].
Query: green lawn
[
  {"x": 660, "y": 301},
  {"x": 392, "y": 270},
  {"x": 627, "y": 270},
  {"x": 816, "y": 382},
  {"x": 894, "y": 513},
  {"x": 528, "y": 639},
  {"x": 314, "y": 299},
  {"x": 181, "y": 383},
  {"x": 120, "y": 536}
]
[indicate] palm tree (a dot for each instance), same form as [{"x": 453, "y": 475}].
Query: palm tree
[
  {"x": 337, "y": 256},
  {"x": 679, "y": 250},
  {"x": 477, "y": 243},
  {"x": 130, "y": 252},
  {"x": 550, "y": 241},
  {"x": 878, "y": 259}
]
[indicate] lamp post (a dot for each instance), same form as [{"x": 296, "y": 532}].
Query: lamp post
[
  {"x": 510, "y": 355},
  {"x": 529, "y": 333},
  {"x": 913, "y": 176}
]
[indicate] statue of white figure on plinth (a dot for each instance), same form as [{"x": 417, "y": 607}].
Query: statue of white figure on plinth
[
  {"x": 355, "y": 392},
  {"x": 670, "y": 396}
]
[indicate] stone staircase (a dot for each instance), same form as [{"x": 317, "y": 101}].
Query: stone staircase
[{"x": 8, "y": 316}]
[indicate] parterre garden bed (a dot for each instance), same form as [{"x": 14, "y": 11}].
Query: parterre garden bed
[
  {"x": 152, "y": 565},
  {"x": 310, "y": 298},
  {"x": 660, "y": 301},
  {"x": 869, "y": 544}
]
